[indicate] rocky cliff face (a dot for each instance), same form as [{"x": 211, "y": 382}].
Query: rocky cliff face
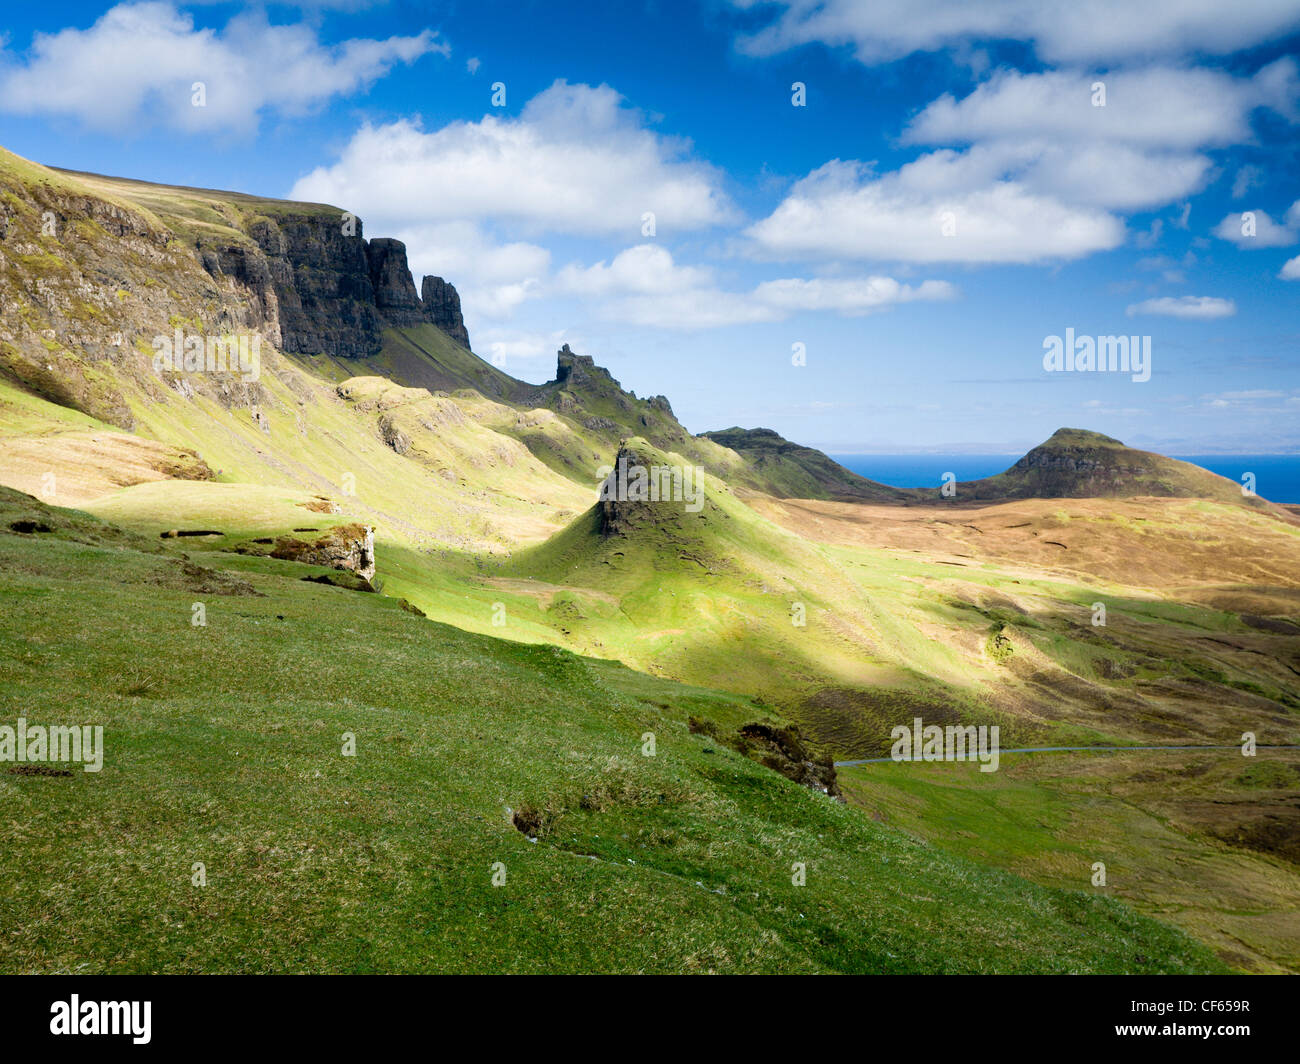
[
  {"x": 93, "y": 270},
  {"x": 390, "y": 279},
  {"x": 308, "y": 279},
  {"x": 442, "y": 308},
  {"x": 577, "y": 370},
  {"x": 328, "y": 291}
]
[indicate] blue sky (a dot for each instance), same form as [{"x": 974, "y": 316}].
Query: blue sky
[{"x": 954, "y": 190}]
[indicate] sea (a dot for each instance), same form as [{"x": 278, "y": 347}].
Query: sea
[{"x": 1277, "y": 476}]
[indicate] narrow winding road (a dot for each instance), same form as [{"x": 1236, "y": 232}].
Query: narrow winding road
[{"x": 1072, "y": 750}]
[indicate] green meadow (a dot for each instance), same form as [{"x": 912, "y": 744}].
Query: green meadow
[{"x": 224, "y": 749}]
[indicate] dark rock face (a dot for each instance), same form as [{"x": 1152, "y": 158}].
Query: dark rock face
[
  {"x": 390, "y": 278},
  {"x": 327, "y": 304},
  {"x": 442, "y": 308},
  {"x": 332, "y": 291},
  {"x": 783, "y": 750},
  {"x": 392, "y": 435},
  {"x": 575, "y": 370},
  {"x": 313, "y": 278}
]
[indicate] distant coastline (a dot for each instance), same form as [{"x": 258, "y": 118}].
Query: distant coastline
[{"x": 1277, "y": 476}]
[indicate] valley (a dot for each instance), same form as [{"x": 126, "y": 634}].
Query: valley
[{"x": 522, "y": 631}]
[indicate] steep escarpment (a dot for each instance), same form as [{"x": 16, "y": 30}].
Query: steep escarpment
[
  {"x": 88, "y": 282},
  {"x": 303, "y": 279},
  {"x": 390, "y": 279},
  {"x": 97, "y": 273},
  {"x": 314, "y": 284},
  {"x": 442, "y": 308},
  {"x": 329, "y": 290},
  {"x": 314, "y": 280}
]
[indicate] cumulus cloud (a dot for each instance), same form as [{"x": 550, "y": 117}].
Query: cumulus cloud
[
  {"x": 577, "y": 160},
  {"x": 849, "y": 296},
  {"x": 493, "y": 278},
  {"x": 1083, "y": 30},
  {"x": 944, "y": 207},
  {"x": 1156, "y": 107},
  {"x": 1198, "y": 307},
  {"x": 1255, "y": 229},
  {"x": 647, "y": 269},
  {"x": 1290, "y": 270},
  {"x": 1030, "y": 170},
  {"x": 138, "y": 64},
  {"x": 643, "y": 285},
  {"x": 507, "y": 348},
  {"x": 1143, "y": 149}
]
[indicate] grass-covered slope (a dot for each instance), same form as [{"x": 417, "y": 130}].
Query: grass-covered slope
[
  {"x": 385, "y": 862},
  {"x": 423, "y": 356},
  {"x": 793, "y": 471},
  {"x": 989, "y": 617},
  {"x": 1204, "y": 839},
  {"x": 706, "y": 589}
]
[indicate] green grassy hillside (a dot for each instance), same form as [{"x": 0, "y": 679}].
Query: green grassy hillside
[
  {"x": 1204, "y": 839},
  {"x": 678, "y": 862},
  {"x": 798, "y": 472},
  {"x": 423, "y": 356},
  {"x": 841, "y": 611}
]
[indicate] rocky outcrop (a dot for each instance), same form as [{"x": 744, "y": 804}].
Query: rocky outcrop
[
  {"x": 390, "y": 278},
  {"x": 326, "y": 289},
  {"x": 327, "y": 303},
  {"x": 781, "y": 749},
  {"x": 577, "y": 370},
  {"x": 442, "y": 308},
  {"x": 392, "y": 435},
  {"x": 350, "y": 547}
]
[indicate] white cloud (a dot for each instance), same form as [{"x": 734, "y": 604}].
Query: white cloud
[
  {"x": 1114, "y": 176},
  {"x": 1267, "y": 233},
  {"x": 1199, "y": 307},
  {"x": 692, "y": 309},
  {"x": 575, "y": 161},
  {"x": 851, "y": 296},
  {"x": 1142, "y": 149},
  {"x": 647, "y": 269},
  {"x": 944, "y": 207},
  {"x": 1166, "y": 108},
  {"x": 1290, "y": 270},
  {"x": 1032, "y": 171},
  {"x": 509, "y": 347},
  {"x": 492, "y": 278},
  {"x": 138, "y": 63},
  {"x": 644, "y": 286},
  {"x": 1109, "y": 30}
]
